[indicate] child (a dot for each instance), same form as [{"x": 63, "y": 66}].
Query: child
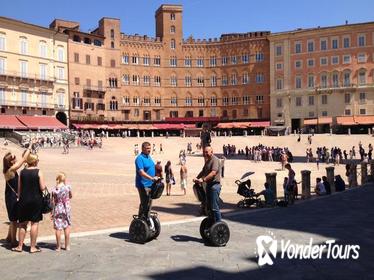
[{"x": 61, "y": 195}]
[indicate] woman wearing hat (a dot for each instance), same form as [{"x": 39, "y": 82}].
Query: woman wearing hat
[
  {"x": 30, "y": 188},
  {"x": 10, "y": 167}
]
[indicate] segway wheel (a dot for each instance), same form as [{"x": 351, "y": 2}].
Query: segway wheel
[
  {"x": 139, "y": 231},
  {"x": 156, "y": 232},
  {"x": 204, "y": 229},
  {"x": 219, "y": 234}
]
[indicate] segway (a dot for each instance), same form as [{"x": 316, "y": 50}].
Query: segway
[
  {"x": 142, "y": 229},
  {"x": 214, "y": 233}
]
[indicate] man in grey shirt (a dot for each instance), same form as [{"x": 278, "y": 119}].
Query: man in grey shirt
[{"x": 211, "y": 175}]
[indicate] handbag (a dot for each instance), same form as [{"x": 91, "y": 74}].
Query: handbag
[
  {"x": 157, "y": 189},
  {"x": 46, "y": 202}
]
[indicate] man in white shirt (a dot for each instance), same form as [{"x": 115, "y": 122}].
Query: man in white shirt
[{"x": 320, "y": 187}]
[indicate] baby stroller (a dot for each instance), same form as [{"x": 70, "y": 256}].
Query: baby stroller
[{"x": 244, "y": 189}]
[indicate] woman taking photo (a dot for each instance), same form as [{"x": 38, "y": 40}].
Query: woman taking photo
[
  {"x": 10, "y": 167},
  {"x": 30, "y": 188}
]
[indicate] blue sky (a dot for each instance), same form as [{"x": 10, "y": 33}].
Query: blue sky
[{"x": 201, "y": 18}]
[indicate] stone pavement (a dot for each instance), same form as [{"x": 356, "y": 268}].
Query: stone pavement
[
  {"x": 180, "y": 254},
  {"x": 102, "y": 179}
]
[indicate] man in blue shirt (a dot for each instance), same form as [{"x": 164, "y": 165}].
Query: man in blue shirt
[{"x": 145, "y": 176}]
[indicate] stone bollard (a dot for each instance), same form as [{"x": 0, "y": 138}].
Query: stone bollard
[
  {"x": 305, "y": 184},
  {"x": 364, "y": 173},
  {"x": 294, "y": 132},
  {"x": 138, "y": 133},
  {"x": 353, "y": 171},
  {"x": 349, "y": 131},
  {"x": 271, "y": 179},
  {"x": 330, "y": 131},
  {"x": 330, "y": 177},
  {"x": 153, "y": 134}
]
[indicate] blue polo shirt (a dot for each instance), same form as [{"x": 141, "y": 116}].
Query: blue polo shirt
[{"x": 146, "y": 163}]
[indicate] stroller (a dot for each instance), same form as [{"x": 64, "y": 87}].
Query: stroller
[{"x": 244, "y": 189}]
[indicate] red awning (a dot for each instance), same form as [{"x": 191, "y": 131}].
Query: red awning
[
  {"x": 325, "y": 120},
  {"x": 310, "y": 122},
  {"x": 116, "y": 126},
  {"x": 321, "y": 120},
  {"x": 169, "y": 126},
  {"x": 347, "y": 120},
  {"x": 10, "y": 122},
  {"x": 365, "y": 120},
  {"x": 260, "y": 124},
  {"x": 41, "y": 122},
  {"x": 146, "y": 127}
]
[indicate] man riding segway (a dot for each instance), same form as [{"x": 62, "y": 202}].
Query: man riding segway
[
  {"x": 212, "y": 228},
  {"x": 146, "y": 225}
]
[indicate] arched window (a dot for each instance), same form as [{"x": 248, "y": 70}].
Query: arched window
[
  {"x": 188, "y": 100},
  {"x": 347, "y": 78},
  {"x": 200, "y": 100},
  {"x": 60, "y": 53},
  {"x": 23, "y": 45},
  {"x": 172, "y": 16},
  {"x": 2, "y": 41},
  {"x": 213, "y": 100},
  {"x": 43, "y": 49},
  {"x": 172, "y": 29},
  {"x": 362, "y": 77},
  {"x": 113, "y": 104},
  {"x": 172, "y": 44},
  {"x": 173, "y": 100}
]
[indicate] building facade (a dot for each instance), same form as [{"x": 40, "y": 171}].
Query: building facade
[
  {"x": 94, "y": 70},
  {"x": 321, "y": 74},
  {"x": 33, "y": 70},
  {"x": 169, "y": 77}
]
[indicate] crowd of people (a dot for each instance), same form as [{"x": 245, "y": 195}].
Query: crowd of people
[
  {"x": 89, "y": 140},
  {"x": 259, "y": 153},
  {"x": 336, "y": 156}
]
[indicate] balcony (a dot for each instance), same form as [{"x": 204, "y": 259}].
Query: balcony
[
  {"x": 94, "y": 89},
  {"x": 27, "y": 104},
  {"x": 24, "y": 76}
]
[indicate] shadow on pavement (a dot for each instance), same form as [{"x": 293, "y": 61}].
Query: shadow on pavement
[
  {"x": 186, "y": 238},
  {"x": 120, "y": 235},
  {"x": 346, "y": 217},
  {"x": 192, "y": 209}
]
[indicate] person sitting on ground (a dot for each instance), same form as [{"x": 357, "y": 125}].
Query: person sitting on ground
[
  {"x": 326, "y": 184},
  {"x": 339, "y": 183},
  {"x": 320, "y": 187},
  {"x": 268, "y": 195}
]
